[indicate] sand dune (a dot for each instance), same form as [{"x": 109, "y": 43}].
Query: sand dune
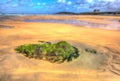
[{"x": 100, "y": 67}]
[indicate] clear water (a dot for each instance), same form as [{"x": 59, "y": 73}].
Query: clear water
[
  {"x": 73, "y": 22},
  {"x": 80, "y": 23}
]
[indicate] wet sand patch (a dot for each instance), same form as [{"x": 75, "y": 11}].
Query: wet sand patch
[{"x": 6, "y": 26}]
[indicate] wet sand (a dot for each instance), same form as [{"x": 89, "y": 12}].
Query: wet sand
[{"x": 20, "y": 68}]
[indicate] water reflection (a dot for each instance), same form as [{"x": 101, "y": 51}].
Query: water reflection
[{"x": 115, "y": 26}]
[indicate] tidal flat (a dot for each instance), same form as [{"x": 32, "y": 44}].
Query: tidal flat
[{"x": 85, "y": 32}]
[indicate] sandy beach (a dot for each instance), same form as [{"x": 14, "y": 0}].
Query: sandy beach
[{"x": 20, "y": 68}]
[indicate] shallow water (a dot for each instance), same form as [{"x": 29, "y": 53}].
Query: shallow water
[
  {"x": 80, "y": 23},
  {"x": 74, "y": 22}
]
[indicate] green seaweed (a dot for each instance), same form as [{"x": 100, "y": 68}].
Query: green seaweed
[{"x": 57, "y": 52}]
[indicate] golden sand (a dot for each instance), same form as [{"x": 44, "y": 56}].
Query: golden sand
[{"x": 38, "y": 70}]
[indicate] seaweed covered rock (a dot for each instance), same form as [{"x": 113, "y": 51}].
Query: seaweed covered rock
[{"x": 57, "y": 52}]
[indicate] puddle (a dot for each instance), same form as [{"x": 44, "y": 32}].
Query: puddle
[
  {"x": 74, "y": 22},
  {"x": 5, "y": 26},
  {"x": 112, "y": 26}
]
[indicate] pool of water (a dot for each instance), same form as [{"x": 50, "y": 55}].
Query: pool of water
[
  {"x": 74, "y": 22},
  {"x": 80, "y": 23}
]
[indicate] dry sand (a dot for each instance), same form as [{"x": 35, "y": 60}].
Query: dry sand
[{"x": 16, "y": 67}]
